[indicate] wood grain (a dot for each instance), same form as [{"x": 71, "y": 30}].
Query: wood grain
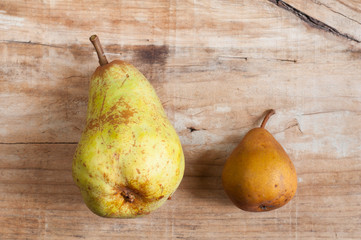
[
  {"x": 343, "y": 15},
  {"x": 216, "y": 66}
]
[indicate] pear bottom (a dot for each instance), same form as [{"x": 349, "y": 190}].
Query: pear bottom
[{"x": 124, "y": 203}]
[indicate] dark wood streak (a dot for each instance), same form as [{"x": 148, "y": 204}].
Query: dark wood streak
[{"x": 153, "y": 54}]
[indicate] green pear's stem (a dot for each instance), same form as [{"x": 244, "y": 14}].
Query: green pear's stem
[
  {"x": 98, "y": 48},
  {"x": 269, "y": 114}
]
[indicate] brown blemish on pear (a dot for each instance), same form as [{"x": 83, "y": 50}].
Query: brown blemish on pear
[
  {"x": 259, "y": 176},
  {"x": 114, "y": 117}
]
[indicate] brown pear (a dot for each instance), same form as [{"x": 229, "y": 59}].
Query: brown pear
[{"x": 259, "y": 176}]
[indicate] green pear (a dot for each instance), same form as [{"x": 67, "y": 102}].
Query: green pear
[{"x": 129, "y": 160}]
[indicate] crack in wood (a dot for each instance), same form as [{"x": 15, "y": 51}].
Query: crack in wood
[
  {"x": 322, "y": 4},
  {"x": 14, "y": 143},
  {"x": 286, "y": 60},
  {"x": 30, "y": 43},
  {"x": 254, "y": 58},
  {"x": 327, "y": 112},
  {"x": 74, "y": 76},
  {"x": 313, "y": 22},
  {"x": 37, "y": 169},
  {"x": 193, "y": 129},
  {"x": 296, "y": 124}
]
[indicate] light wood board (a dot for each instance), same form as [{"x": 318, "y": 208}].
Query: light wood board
[{"x": 217, "y": 66}]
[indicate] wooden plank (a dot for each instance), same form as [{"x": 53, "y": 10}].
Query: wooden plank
[
  {"x": 38, "y": 191},
  {"x": 54, "y": 108},
  {"x": 53, "y": 95}
]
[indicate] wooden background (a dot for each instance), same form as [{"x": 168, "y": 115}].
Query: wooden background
[{"x": 216, "y": 66}]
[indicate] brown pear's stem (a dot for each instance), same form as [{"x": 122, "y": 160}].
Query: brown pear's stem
[
  {"x": 98, "y": 48},
  {"x": 269, "y": 114}
]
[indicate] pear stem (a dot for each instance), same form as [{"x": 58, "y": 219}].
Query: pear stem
[
  {"x": 98, "y": 48},
  {"x": 268, "y": 115}
]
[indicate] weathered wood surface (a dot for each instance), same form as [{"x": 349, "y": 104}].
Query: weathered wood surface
[{"x": 216, "y": 66}]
